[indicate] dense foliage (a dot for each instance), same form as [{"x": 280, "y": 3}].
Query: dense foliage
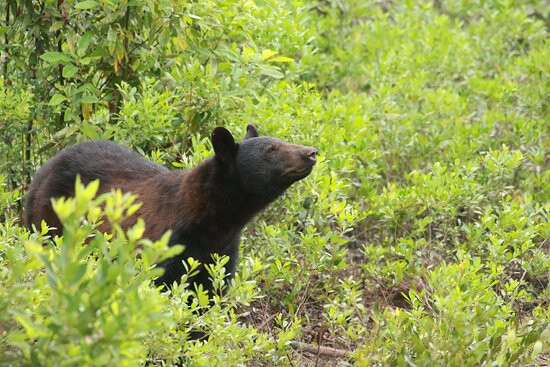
[{"x": 422, "y": 237}]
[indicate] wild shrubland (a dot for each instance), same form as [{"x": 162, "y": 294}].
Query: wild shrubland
[{"x": 421, "y": 238}]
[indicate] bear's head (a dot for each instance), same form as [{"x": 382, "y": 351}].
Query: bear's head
[{"x": 263, "y": 166}]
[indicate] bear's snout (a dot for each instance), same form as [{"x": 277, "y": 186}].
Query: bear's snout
[
  {"x": 310, "y": 155},
  {"x": 300, "y": 161}
]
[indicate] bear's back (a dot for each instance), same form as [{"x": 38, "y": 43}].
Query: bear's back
[
  {"x": 105, "y": 160},
  {"x": 100, "y": 159}
]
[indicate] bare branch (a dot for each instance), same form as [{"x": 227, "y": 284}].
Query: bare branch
[{"x": 319, "y": 350}]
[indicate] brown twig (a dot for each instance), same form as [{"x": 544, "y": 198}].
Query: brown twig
[
  {"x": 290, "y": 360},
  {"x": 267, "y": 321},
  {"x": 6, "y": 40},
  {"x": 243, "y": 315},
  {"x": 320, "y": 350},
  {"x": 217, "y": 42}
]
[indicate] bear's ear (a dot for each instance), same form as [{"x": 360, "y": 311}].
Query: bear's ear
[
  {"x": 251, "y": 132},
  {"x": 223, "y": 143}
]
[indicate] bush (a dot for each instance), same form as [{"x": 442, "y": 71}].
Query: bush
[{"x": 433, "y": 330}]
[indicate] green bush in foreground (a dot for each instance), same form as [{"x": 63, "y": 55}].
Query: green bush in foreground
[{"x": 87, "y": 299}]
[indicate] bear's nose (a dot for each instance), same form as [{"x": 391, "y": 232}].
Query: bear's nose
[{"x": 311, "y": 155}]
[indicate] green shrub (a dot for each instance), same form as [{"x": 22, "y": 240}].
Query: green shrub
[{"x": 457, "y": 319}]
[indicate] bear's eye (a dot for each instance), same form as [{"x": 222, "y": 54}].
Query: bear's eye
[{"x": 272, "y": 148}]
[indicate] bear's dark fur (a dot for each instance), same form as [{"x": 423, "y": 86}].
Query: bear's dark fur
[{"x": 206, "y": 208}]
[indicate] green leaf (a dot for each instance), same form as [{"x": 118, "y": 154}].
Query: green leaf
[
  {"x": 56, "y": 26},
  {"x": 272, "y": 73},
  {"x": 281, "y": 59},
  {"x": 88, "y": 4},
  {"x": 57, "y": 99},
  {"x": 84, "y": 42},
  {"x": 68, "y": 116},
  {"x": 173, "y": 251},
  {"x": 87, "y": 60},
  {"x": 87, "y": 88},
  {"x": 56, "y": 57},
  {"x": 193, "y": 16},
  {"x": 76, "y": 272},
  {"x": 69, "y": 71},
  {"x": 266, "y": 54},
  {"x": 511, "y": 337},
  {"x": 89, "y": 130},
  {"x": 89, "y": 99},
  {"x": 537, "y": 348}
]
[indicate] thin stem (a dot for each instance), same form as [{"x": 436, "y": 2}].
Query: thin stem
[{"x": 6, "y": 38}]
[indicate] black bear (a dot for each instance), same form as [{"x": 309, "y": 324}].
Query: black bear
[{"x": 206, "y": 208}]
